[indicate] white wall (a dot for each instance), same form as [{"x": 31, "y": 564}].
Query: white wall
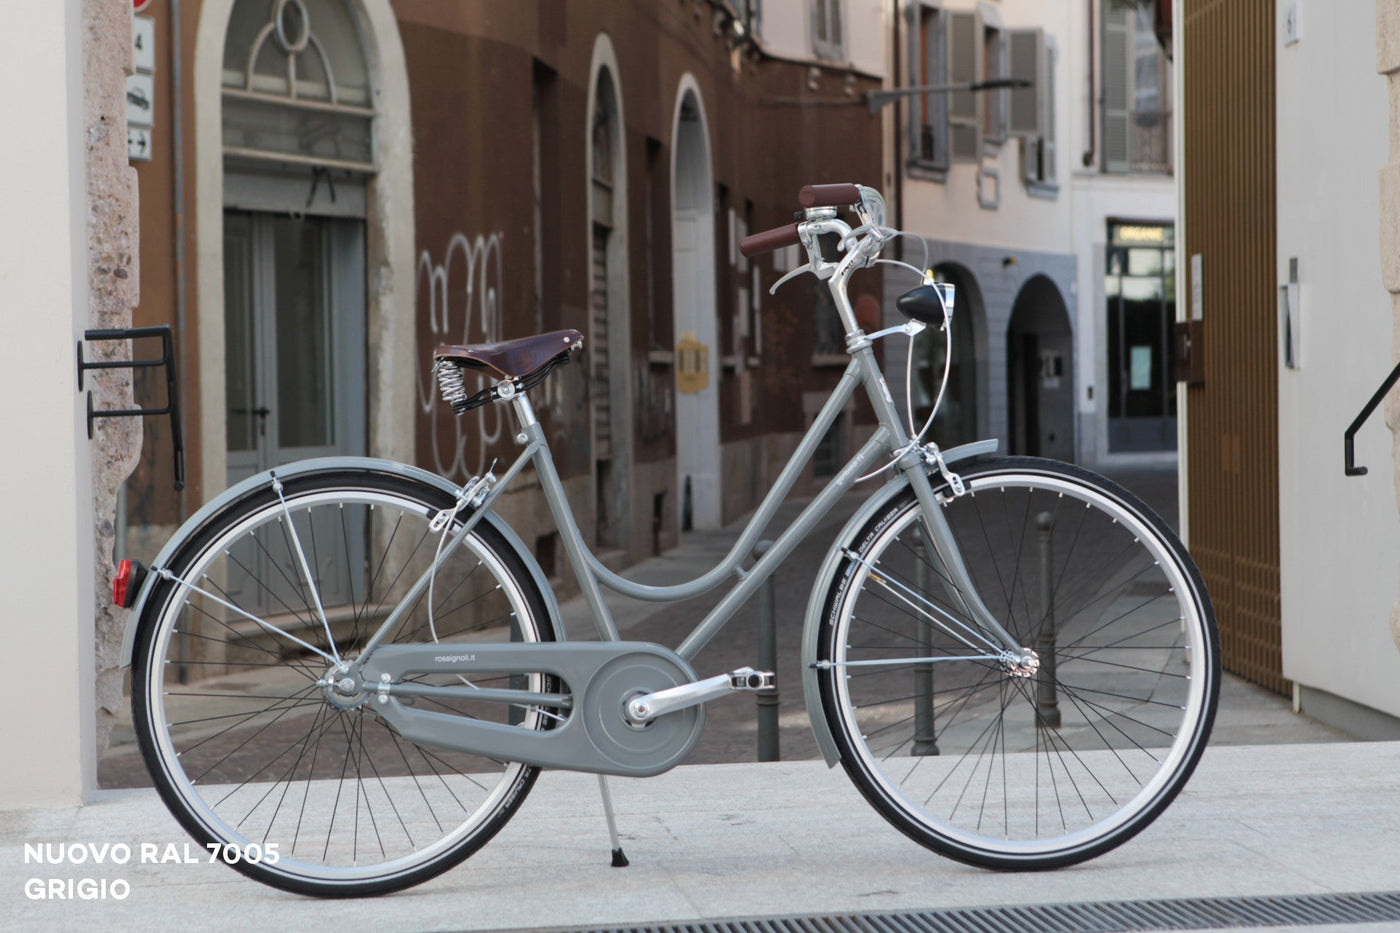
[
  {"x": 949, "y": 209},
  {"x": 46, "y": 611},
  {"x": 785, "y": 29},
  {"x": 1340, "y": 539}
]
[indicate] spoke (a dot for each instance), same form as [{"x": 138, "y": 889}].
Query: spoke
[
  {"x": 1118, "y": 664},
  {"x": 166, "y": 574},
  {"x": 283, "y": 711},
  {"x": 1163, "y": 624},
  {"x": 258, "y": 580},
  {"x": 291, "y": 528},
  {"x": 240, "y": 641},
  {"x": 1107, "y": 711},
  {"x": 316, "y": 724},
  {"x": 909, "y": 597}
]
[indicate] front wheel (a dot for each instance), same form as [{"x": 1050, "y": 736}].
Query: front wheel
[
  {"x": 1021, "y": 765},
  {"x": 289, "y": 778}
]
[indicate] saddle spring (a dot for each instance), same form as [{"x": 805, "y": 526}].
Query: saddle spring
[{"x": 452, "y": 384}]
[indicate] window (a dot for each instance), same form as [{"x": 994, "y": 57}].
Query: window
[
  {"x": 993, "y": 69},
  {"x": 928, "y": 66},
  {"x": 1031, "y": 111},
  {"x": 1136, "y": 92},
  {"x": 826, "y": 29},
  {"x": 295, "y": 86},
  {"x": 964, "y": 67}
]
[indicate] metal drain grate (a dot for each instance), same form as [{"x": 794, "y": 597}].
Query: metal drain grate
[{"x": 1100, "y": 917}]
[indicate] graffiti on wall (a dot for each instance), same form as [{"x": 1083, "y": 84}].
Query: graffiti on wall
[{"x": 461, "y": 297}]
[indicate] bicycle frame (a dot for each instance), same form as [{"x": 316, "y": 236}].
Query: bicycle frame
[{"x": 592, "y": 576}]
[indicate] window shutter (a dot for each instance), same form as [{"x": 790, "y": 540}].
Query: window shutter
[
  {"x": 1026, "y": 51},
  {"x": 928, "y": 114},
  {"x": 964, "y": 67},
  {"x": 1117, "y": 87}
]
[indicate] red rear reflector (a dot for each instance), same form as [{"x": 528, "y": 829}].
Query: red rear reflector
[{"x": 123, "y": 587}]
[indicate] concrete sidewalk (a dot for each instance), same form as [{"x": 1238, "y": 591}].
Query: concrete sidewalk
[{"x": 746, "y": 840}]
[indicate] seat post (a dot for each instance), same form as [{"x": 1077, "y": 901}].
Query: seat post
[{"x": 524, "y": 412}]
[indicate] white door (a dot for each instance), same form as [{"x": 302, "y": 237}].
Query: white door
[
  {"x": 294, "y": 331},
  {"x": 693, "y": 271}
]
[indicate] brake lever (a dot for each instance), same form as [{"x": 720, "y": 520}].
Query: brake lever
[
  {"x": 805, "y": 267},
  {"x": 882, "y": 235}
]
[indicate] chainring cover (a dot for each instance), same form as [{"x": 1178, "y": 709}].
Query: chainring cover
[{"x": 654, "y": 746}]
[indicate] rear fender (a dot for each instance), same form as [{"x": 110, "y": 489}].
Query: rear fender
[{"x": 301, "y": 467}]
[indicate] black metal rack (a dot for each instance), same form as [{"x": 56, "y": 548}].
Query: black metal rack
[{"x": 166, "y": 362}]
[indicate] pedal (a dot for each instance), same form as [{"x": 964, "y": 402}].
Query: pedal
[
  {"x": 746, "y": 678},
  {"x": 648, "y": 706}
]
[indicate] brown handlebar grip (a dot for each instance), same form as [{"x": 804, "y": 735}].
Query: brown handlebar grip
[
  {"x": 828, "y": 195},
  {"x": 769, "y": 240}
]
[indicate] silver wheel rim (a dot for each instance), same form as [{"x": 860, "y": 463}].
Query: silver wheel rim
[
  {"x": 1129, "y": 809},
  {"x": 505, "y": 781}
]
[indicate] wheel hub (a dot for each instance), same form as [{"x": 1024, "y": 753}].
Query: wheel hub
[
  {"x": 1024, "y": 663},
  {"x": 343, "y": 689}
]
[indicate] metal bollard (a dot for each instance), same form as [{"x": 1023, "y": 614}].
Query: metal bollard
[
  {"x": 766, "y": 700},
  {"x": 1047, "y": 704},
  {"x": 925, "y": 727}
]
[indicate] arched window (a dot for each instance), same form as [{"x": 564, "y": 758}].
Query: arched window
[{"x": 296, "y": 86}]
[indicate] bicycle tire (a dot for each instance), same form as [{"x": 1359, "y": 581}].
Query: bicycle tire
[
  {"x": 252, "y": 755},
  {"x": 968, "y": 757}
]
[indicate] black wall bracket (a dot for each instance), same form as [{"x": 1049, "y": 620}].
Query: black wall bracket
[
  {"x": 166, "y": 362},
  {"x": 1349, "y": 437}
]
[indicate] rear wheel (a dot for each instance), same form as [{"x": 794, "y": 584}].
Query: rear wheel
[
  {"x": 299, "y": 784},
  {"x": 1021, "y": 766}
]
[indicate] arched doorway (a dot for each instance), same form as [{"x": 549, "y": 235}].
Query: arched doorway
[
  {"x": 300, "y": 187},
  {"x": 609, "y": 341},
  {"x": 297, "y": 130},
  {"x": 1040, "y": 373},
  {"x": 303, "y": 182},
  {"x": 962, "y": 414},
  {"x": 693, "y": 280}
]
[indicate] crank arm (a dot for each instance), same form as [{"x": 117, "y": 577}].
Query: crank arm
[{"x": 648, "y": 706}]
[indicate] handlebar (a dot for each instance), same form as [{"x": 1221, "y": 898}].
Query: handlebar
[
  {"x": 769, "y": 240},
  {"x": 811, "y": 196},
  {"x": 828, "y": 195}
]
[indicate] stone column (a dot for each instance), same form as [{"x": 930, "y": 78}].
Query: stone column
[
  {"x": 113, "y": 289},
  {"x": 1388, "y": 64}
]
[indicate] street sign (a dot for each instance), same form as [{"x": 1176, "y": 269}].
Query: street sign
[
  {"x": 138, "y": 143},
  {"x": 140, "y": 100},
  {"x": 143, "y": 43},
  {"x": 140, "y": 5}
]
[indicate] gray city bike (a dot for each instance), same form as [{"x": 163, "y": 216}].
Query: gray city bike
[{"x": 347, "y": 673}]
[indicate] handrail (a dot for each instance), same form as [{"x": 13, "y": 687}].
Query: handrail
[{"x": 1349, "y": 437}]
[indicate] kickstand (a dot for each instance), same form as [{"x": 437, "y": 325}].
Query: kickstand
[{"x": 619, "y": 859}]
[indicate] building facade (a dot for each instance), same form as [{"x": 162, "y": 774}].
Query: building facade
[
  {"x": 1051, "y": 207},
  {"x": 333, "y": 188},
  {"x": 1291, "y": 333}
]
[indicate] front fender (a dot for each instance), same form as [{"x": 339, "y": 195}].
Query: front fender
[
  {"x": 811, "y": 692},
  {"x": 367, "y": 464}
]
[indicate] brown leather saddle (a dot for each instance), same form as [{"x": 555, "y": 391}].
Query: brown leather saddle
[{"x": 524, "y": 362}]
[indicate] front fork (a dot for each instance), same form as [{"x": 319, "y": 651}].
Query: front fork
[
  {"x": 915, "y": 463},
  {"x": 1017, "y": 658}
]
